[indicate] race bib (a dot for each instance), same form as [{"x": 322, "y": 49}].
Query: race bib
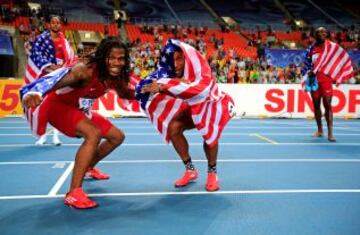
[{"x": 85, "y": 105}]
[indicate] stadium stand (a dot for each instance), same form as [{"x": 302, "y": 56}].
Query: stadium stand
[{"x": 236, "y": 53}]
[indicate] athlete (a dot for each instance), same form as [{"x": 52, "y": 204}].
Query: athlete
[
  {"x": 182, "y": 95},
  {"x": 49, "y": 52},
  {"x": 328, "y": 63},
  {"x": 67, "y": 106}
]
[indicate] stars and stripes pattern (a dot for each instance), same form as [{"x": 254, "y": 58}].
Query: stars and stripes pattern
[
  {"x": 37, "y": 117},
  {"x": 210, "y": 108},
  {"x": 309, "y": 83},
  {"x": 334, "y": 62},
  {"x": 42, "y": 55}
]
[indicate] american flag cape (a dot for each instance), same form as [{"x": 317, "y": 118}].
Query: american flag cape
[
  {"x": 42, "y": 55},
  {"x": 334, "y": 62},
  {"x": 38, "y": 117},
  {"x": 309, "y": 83},
  {"x": 210, "y": 108}
]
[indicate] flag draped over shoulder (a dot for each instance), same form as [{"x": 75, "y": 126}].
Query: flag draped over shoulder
[
  {"x": 43, "y": 55},
  {"x": 37, "y": 117},
  {"x": 308, "y": 83},
  {"x": 210, "y": 108},
  {"x": 334, "y": 62},
  {"x": 42, "y": 85}
]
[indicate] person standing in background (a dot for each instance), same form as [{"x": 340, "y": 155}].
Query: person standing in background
[
  {"x": 326, "y": 62},
  {"x": 49, "y": 51}
]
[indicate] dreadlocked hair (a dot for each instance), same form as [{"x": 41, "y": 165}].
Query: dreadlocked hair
[{"x": 101, "y": 56}]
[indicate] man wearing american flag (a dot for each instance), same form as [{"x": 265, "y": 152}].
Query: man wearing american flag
[
  {"x": 49, "y": 51},
  {"x": 327, "y": 63},
  {"x": 181, "y": 95},
  {"x": 64, "y": 99}
]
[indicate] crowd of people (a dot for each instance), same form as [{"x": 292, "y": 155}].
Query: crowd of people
[
  {"x": 348, "y": 37},
  {"x": 227, "y": 67},
  {"x": 9, "y": 13}
]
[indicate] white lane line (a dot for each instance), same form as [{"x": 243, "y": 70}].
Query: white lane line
[
  {"x": 221, "y": 192},
  {"x": 197, "y": 134},
  {"x": 257, "y": 127},
  {"x": 21, "y": 197},
  {"x": 193, "y": 144},
  {"x": 9, "y": 134},
  {"x": 261, "y": 121},
  {"x": 58, "y": 165},
  {"x": 338, "y": 124},
  {"x": 35, "y": 162},
  {"x": 263, "y": 160},
  {"x": 54, "y": 190},
  {"x": 276, "y": 191}
]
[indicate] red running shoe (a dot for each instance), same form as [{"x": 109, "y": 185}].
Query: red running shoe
[
  {"x": 190, "y": 175},
  {"x": 97, "y": 174},
  {"x": 212, "y": 183},
  {"x": 78, "y": 199}
]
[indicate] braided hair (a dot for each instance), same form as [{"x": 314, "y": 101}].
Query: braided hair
[{"x": 101, "y": 57}]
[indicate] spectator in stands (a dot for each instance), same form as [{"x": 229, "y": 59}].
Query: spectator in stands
[
  {"x": 49, "y": 52},
  {"x": 27, "y": 45},
  {"x": 242, "y": 75},
  {"x": 121, "y": 20},
  {"x": 254, "y": 75},
  {"x": 22, "y": 30},
  {"x": 205, "y": 46},
  {"x": 106, "y": 30},
  {"x": 80, "y": 49},
  {"x": 220, "y": 77}
]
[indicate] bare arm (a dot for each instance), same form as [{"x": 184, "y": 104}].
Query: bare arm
[
  {"x": 123, "y": 91},
  {"x": 53, "y": 67},
  {"x": 155, "y": 87},
  {"x": 78, "y": 75}
]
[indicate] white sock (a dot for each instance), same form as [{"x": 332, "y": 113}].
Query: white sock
[
  {"x": 41, "y": 140},
  {"x": 56, "y": 139}
]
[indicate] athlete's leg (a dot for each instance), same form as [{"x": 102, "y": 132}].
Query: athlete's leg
[
  {"x": 56, "y": 139},
  {"x": 41, "y": 140},
  {"x": 178, "y": 140},
  {"x": 316, "y": 99},
  {"x": 86, "y": 152},
  {"x": 112, "y": 135},
  {"x": 212, "y": 183},
  {"x": 113, "y": 138},
  {"x": 211, "y": 153},
  {"x": 176, "y": 131},
  {"x": 74, "y": 123},
  {"x": 329, "y": 117}
]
